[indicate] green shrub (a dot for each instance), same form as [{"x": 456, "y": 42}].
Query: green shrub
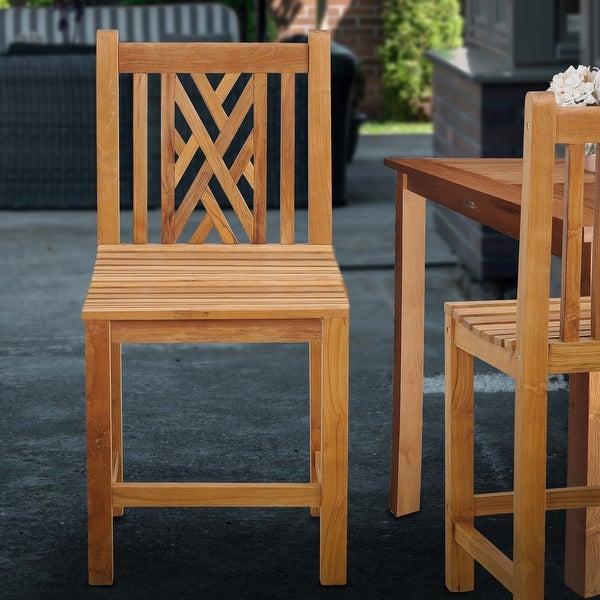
[
  {"x": 246, "y": 16},
  {"x": 411, "y": 27},
  {"x": 246, "y": 12}
]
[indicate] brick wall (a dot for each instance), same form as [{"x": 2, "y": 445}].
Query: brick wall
[{"x": 356, "y": 24}]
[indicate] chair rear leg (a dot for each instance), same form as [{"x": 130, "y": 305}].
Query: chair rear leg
[
  {"x": 459, "y": 448},
  {"x": 315, "y": 417},
  {"x": 99, "y": 452},
  {"x": 334, "y": 451}
]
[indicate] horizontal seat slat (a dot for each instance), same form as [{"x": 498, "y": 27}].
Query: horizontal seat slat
[{"x": 495, "y": 322}]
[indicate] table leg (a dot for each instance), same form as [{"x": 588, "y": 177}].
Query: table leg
[
  {"x": 409, "y": 311},
  {"x": 582, "y": 548},
  {"x": 582, "y": 551}
]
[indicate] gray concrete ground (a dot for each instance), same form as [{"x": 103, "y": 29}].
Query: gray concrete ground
[{"x": 231, "y": 412}]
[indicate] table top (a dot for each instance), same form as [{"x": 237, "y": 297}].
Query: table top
[{"x": 487, "y": 190}]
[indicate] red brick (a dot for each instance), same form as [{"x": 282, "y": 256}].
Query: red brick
[{"x": 356, "y": 24}]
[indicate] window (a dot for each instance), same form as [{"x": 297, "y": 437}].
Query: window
[
  {"x": 488, "y": 24},
  {"x": 590, "y": 34},
  {"x": 568, "y": 29},
  {"x": 525, "y": 32}
]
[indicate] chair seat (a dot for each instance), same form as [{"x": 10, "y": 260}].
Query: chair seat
[
  {"x": 191, "y": 282},
  {"x": 494, "y": 322}
]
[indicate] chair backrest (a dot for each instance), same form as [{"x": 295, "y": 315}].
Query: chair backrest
[
  {"x": 215, "y": 136},
  {"x": 553, "y": 131}
]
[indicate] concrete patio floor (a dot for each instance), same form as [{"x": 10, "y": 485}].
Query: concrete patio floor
[{"x": 227, "y": 412}]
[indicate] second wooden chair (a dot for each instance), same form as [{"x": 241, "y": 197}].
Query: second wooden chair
[{"x": 528, "y": 339}]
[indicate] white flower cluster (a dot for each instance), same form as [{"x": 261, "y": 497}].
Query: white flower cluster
[{"x": 576, "y": 86}]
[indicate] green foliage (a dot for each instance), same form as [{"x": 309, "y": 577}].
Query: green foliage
[
  {"x": 412, "y": 27},
  {"x": 396, "y": 128},
  {"x": 4, "y": 4},
  {"x": 246, "y": 15},
  {"x": 136, "y": 2},
  {"x": 246, "y": 12}
]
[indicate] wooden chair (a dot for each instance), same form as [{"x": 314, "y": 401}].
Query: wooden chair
[
  {"x": 528, "y": 339},
  {"x": 215, "y": 289}
]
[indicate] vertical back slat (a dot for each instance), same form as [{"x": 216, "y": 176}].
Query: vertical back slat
[
  {"x": 167, "y": 124},
  {"x": 319, "y": 145},
  {"x": 287, "y": 157},
  {"x": 260, "y": 159},
  {"x": 572, "y": 244},
  {"x": 536, "y": 232},
  {"x": 140, "y": 158},
  {"x": 107, "y": 136}
]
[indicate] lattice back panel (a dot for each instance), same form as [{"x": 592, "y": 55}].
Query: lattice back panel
[
  {"x": 186, "y": 136},
  {"x": 227, "y": 149}
]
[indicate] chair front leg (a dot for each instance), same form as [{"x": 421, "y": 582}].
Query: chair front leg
[
  {"x": 459, "y": 449},
  {"x": 98, "y": 349},
  {"x": 334, "y": 451}
]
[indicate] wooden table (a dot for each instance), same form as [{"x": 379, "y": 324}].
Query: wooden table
[{"x": 487, "y": 191}]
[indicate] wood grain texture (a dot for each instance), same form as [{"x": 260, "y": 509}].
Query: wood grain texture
[{"x": 407, "y": 401}]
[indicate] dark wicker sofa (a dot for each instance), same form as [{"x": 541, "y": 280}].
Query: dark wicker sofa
[
  {"x": 47, "y": 132},
  {"x": 47, "y": 127}
]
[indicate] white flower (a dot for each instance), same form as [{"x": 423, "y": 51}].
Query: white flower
[{"x": 576, "y": 86}]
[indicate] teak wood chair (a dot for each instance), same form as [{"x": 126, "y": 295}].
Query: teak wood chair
[
  {"x": 202, "y": 289},
  {"x": 528, "y": 339}
]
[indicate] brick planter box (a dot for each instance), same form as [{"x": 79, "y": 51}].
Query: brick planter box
[{"x": 478, "y": 112}]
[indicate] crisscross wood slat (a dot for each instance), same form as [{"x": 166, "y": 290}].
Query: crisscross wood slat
[
  {"x": 237, "y": 286},
  {"x": 527, "y": 338}
]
